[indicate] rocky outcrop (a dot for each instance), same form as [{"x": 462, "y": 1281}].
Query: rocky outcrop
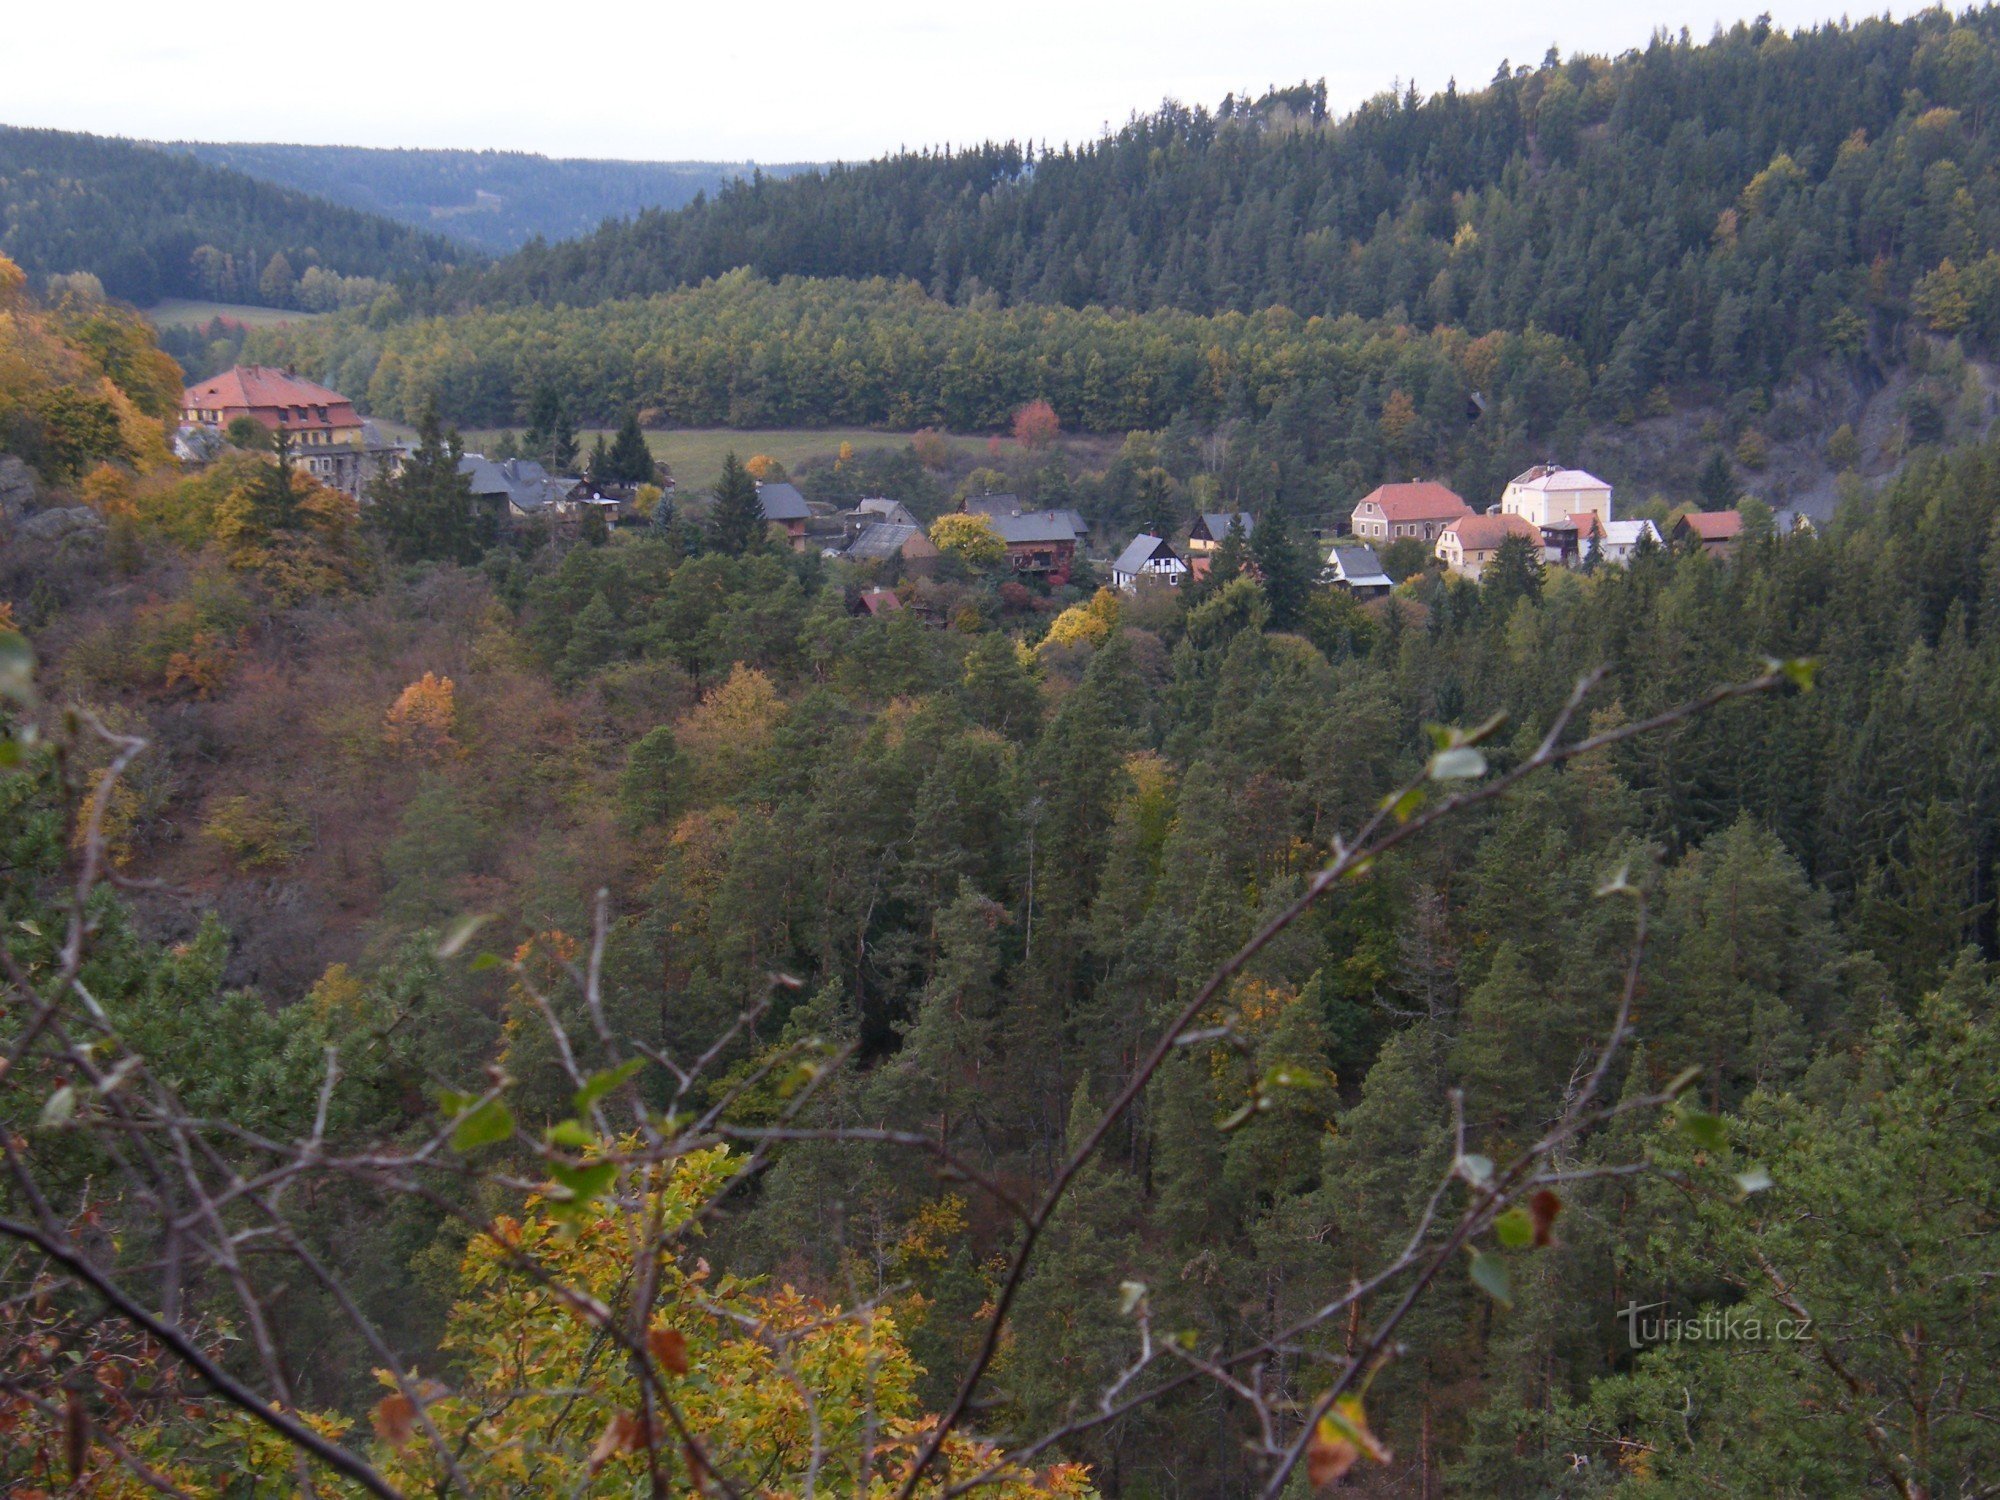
[
  {"x": 61, "y": 524},
  {"x": 17, "y": 486}
]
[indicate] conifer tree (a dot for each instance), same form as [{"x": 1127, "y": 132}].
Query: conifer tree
[
  {"x": 1287, "y": 569},
  {"x": 426, "y": 511},
  {"x": 737, "y": 521},
  {"x": 630, "y": 460}
]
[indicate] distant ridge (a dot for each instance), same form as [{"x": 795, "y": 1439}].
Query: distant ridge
[
  {"x": 497, "y": 201},
  {"x": 151, "y": 226}
]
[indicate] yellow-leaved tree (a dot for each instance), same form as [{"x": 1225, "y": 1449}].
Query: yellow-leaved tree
[
  {"x": 1084, "y": 623},
  {"x": 422, "y": 719},
  {"x": 969, "y": 538},
  {"x": 548, "y": 1394}
]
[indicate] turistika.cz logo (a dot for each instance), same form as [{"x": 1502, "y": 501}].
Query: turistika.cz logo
[{"x": 1733, "y": 1325}]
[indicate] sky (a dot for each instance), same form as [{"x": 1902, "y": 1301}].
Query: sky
[{"x": 765, "y": 80}]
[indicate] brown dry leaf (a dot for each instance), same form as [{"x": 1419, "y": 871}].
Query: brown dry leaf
[
  {"x": 1339, "y": 1441},
  {"x": 670, "y": 1348},
  {"x": 622, "y": 1434},
  {"x": 395, "y": 1419},
  {"x": 1542, "y": 1209}
]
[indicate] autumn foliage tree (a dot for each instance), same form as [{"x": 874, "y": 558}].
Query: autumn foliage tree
[
  {"x": 420, "y": 723},
  {"x": 969, "y": 538},
  {"x": 1036, "y": 425}
]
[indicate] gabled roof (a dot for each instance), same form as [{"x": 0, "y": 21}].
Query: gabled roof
[
  {"x": 886, "y": 510},
  {"x": 1618, "y": 533},
  {"x": 880, "y": 602},
  {"x": 1215, "y": 524},
  {"x": 522, "y": 482},
  {"x": 882, "y": 540},
  {"x": 1549, "y": 477},
  {"x": 1358, "y": 565},
  {"x": 1486, "y": 533},
  {"x": 993, "y": 505},
  {"x": 782, "y": 502},
  {"x": 260, "y": 385},
  {"x": 1714, "y": 525},
  {"x": 1143, "y": 549},
  {"x": 1419, "y": 500},
  {"x": 1037, "y": 526}
]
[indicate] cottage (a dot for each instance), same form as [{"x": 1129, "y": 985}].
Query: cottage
[
  {"x": 1468, "y": 544},
  {"x": 1545, "y": 495},
  {"x": 1148, "y": 556},
  {"x": 877, "y": 509},
  {"x": 1358, "y": 570},
  {"x": 1419, "y": 509},
  {"x": 885, "y": 540},
  {"x": 1612, "y": 541},
  {"x": 1210, "y": 527},
  {"x": 786, "y": 509},
  {"x": 877, "y": 603},
  {"x": 1041, "y": 543},
  {"x": 518, "y": 489},
  {"x": 1715, "y": 532}
]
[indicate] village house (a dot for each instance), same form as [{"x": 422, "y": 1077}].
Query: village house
[
  {"x": 1546, "y": 495},
  {"x": 518, "y": 489},
  {"x": 876, "y": 510},
  {"x": 1042, "y": 543},
  {"x": 786, "y": 509},
  {"x": 1612, "y": 541},
  {"x": 1469, "y": 543},
  {"x": 329, "y": 440},
  {"x": 1358, "y": 570},
  {"x": 1419, "y": 509},
  {"x": 886, "y": 540},
  {"x": 1148, "y": 556},
  {"x": 877, "y": 602},
  {"x": 1210, "y": 527},
  {"x": 1715, "y": 532}
]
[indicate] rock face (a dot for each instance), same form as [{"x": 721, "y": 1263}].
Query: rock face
[
  {"x": 17, "y": 486},
  {"x": 61, "y": 524}
]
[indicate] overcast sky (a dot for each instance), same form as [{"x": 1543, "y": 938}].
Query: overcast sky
[{"x": 787, "y": 81}]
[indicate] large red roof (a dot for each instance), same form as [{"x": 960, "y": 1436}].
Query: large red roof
[
  {"x": 258, "y": 386},
  {"x": 1419, "y": 500}
]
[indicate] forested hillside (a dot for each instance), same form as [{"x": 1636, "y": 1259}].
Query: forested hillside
[
  {"x": 1715, "y": 211},
  {"x": 496, "y": 201},
  {"x": 149, "y": 225},
  {"x": 893, "y": 906}
]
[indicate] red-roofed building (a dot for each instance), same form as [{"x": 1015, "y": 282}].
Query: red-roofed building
[
  {"x": 1469, "y": 543},
  {"x": 1714, "y": 531},
  {"x": 311, "y": 414},
  {"x": 327, "y": 436},
  {"x": 1420, "y": 509}
]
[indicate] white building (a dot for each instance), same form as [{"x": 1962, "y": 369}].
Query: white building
[
  {"x": 1614, "y": 541},
  {"x": 1546, "y": 495},
  {"x": 1149, "y": 556}
]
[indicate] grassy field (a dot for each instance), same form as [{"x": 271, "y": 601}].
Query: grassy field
[
  {"x": 179, "y": 312},
  {"x": 694, "y": 454}
]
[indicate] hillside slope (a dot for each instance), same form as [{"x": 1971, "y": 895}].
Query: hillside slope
[
  {"x": 496, "y": 201},
  {"x": 1681, "y": 212},
  {"x": 151, "y": 226}
]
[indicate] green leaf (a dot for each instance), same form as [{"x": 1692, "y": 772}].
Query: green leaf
[
  {"x": 1130, "y": 1295},
  {"x": 581, "y": 1184},
  {"x": 59, "y": 1108},
  {"x": 600, "y": 1084},
  {"x": 1706, "y": 1131},
  {"x": 1515, "y": 1229},
  {"x": 573, "y": 1134},
  {"x": 452, "y": 1102},
  {"x": 1755, "y": 1180},
  {"x": 462, "y": 932},
  {"x": 1405, "y": 807},
  {"x": 1477, "y": 1170},
  {"x": 1459, "y": 764},
  {"x": 484, "y": 961},
  {"x": 487, "y": 1124},
  {"x": 1800, "y": 671},
  {"x": 1489, "y": 1274}
]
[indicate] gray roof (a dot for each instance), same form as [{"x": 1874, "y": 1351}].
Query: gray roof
[
  {"x": 893, "y": 511},
  {"x": 1358, "y": 565},
  {"x": 1038, "y": 526},
  {"x": 782, "y": 502},
  {"x": 522, "y": 482},
  {"x": 993, "y": 505},
  {"x": 1143, "y": 549},
  {"x": 1009, "y": 508},
  {"x": 1218, "y": 522},
  {"x": 879, "y": 541}
]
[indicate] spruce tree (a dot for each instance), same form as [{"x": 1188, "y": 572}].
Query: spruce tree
[
  {"x": 1717, "y": 483},
  {"x": 738, "y": 518},
  {"x": 426, "y": 511},
  {"x": 631, "y": 461},
  {"x": 1287, "y": 569}
]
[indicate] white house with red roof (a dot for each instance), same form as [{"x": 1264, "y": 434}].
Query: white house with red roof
[
  {"x": 1421, "y": 509},
  {"x": 1466, "y": 546}
]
